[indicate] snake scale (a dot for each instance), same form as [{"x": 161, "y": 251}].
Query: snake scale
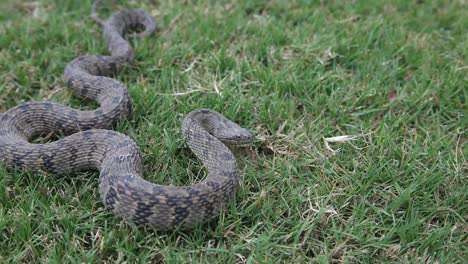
[{"x": 88, "y": 145}]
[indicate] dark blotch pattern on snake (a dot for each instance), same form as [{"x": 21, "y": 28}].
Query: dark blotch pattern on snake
[{"x": 89, "y": 146}]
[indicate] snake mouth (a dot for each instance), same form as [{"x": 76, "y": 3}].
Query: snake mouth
[{"x": 238, "y": 142}]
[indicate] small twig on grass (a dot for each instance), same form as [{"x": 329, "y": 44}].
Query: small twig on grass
[{"x": 339, "y": 139}]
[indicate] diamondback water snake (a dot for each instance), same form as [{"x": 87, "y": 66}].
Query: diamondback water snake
[{"x": 88, "y": 145}]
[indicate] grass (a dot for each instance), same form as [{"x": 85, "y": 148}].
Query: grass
[{"x": 392, "y": 74}]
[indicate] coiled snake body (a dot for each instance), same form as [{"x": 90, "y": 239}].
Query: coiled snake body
[{"x": 88, "y": 145}]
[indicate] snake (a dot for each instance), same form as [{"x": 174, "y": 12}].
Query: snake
[{"x": 87, "y": 141}]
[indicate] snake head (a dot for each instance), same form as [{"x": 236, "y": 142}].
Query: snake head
[
  {"x": 232, "y": 134},
  {"x": 218, "y": 126}
]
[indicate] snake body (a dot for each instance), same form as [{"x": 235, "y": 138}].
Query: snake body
[{"x": 88, "y": 145}]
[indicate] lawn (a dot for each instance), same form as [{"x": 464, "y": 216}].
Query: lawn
[{"x": 358, "y": 108}]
